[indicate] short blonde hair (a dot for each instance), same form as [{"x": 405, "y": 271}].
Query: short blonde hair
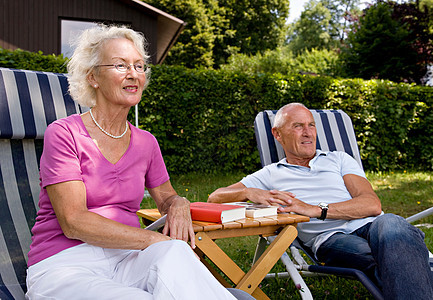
[{"x": 87, "y": 56}]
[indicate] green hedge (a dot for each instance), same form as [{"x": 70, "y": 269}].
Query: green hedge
[
  {"x": 20, "y": 59},
  {"x": 203, "y": 119}
]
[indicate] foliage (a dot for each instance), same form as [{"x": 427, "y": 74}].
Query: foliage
[
  {"x": 203, "y": 119},
  {"x": 200, "y": 118},
  {"x": 258, "y": 24},
  {"x": 282, "y": 61},
  {"x": 342, "y": 12},
  {"x": 217, "y": 29},
  {"x": 20, "y": 59},
  {"x": 387, "y": 117},
  {"x": 419, "y": 20},
  {"x": 311, "y": 30},
  {"x": 387, "y": 43},
  {"x": 322, "y": 62},
  {"x": 195, "y": 44},
  {"x": 322, "y": 25}
]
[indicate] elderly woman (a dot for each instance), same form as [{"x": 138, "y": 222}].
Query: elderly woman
[{"x": 87, "y": 241}]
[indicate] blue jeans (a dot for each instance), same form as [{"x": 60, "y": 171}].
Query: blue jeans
[{"x": 390, "y": 251}]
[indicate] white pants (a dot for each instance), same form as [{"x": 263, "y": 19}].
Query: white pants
[{"x": 165, "y": 270}]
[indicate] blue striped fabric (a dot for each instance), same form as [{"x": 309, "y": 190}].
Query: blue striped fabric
[
  {"x": 328, "y": 133},
  {"x": 269, "y": 137},
  {"x": 26, "y": 105},
  {"x": 5, "y": 118},
  {"x": 334, "y": 132},
  {"x": 29, "y": 101}
]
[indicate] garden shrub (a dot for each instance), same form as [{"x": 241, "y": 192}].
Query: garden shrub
[
  {"x": 203, "y": 119},
  {"x": 20, "y": 59}
]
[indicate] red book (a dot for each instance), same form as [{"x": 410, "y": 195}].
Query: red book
[{"x": 216, "y": 212}]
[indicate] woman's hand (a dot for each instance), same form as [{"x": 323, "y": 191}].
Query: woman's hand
[{"x": 178, "y": 224}]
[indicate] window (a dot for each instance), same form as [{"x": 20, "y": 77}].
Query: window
[{"x": 70, "y": 29}]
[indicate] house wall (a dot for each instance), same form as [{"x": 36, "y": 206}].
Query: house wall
[{"x": 34, "y": 25}]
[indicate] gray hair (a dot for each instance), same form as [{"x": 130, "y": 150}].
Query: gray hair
[
  {"x": 279, "y": 116},
  {"x": 87, "y": 56}
]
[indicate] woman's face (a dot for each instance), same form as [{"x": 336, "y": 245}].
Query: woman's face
[{"x": 113, "y": 86}]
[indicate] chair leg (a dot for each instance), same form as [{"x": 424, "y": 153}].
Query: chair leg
[
  {"x": 261, "y": 247},
  {"x": 299, "y": 282},
  {"x": 292, "y": 271}
]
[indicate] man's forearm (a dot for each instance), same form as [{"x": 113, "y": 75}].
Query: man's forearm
[
  {"x": 228, "y": 194},
  {"x": 355, "y": 208}
]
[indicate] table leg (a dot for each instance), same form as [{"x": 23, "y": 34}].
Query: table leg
[
  {"x": 248, "y": 282},
  {"x": 218, "y": 257},
  {"x": 209, "y": 248},
  {"x": 214, "y": 272},
  {"x": 267, "y": 260}
]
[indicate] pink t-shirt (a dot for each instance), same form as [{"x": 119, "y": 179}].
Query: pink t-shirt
[{"x": 114, "y": 191}]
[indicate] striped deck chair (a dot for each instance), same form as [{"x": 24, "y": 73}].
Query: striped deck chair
[
  {"x": 334, "y": 133},
  {"x": 29, "y": 101}
]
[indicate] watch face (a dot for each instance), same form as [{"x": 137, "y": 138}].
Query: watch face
[{"x": 323, "y": 205}]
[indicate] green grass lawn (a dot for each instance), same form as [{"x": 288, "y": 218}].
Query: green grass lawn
[{"x": 403, "y": 193}]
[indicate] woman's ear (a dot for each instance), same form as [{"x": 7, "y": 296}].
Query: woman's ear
[{"x": 92, "y": 80}]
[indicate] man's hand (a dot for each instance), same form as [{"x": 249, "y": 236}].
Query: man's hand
[
  {"x": 265, "y": 197},
  {"x": 289, "y": 203},
  {"x": 286, "y": 202}
]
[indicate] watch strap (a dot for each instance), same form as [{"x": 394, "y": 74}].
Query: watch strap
[{"x": 324, "y": 212}]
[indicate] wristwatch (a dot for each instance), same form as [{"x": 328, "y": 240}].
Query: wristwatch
[{"x": 324, "y": 207}]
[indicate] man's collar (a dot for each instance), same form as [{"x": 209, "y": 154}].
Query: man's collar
[{"x": 318, "y": 153}]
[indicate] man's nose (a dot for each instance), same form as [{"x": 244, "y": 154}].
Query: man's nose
[{"x": 308, "y": 131}]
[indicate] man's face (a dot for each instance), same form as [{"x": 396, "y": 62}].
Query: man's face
[{"x": 297, "y": 135}]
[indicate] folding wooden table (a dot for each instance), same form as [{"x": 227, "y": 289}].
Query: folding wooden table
[{"x": 283, "y": 225}]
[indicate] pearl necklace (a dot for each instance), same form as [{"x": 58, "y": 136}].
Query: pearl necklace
[{"x": 109, "y": 134}]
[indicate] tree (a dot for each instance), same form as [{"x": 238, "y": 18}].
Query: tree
[
  {"x": 216, "y": 29},
  {"x": 194, "y": 46},
  {"x": 311, "y": 30},
  {"x": 322, "y": 25},
  {"x": 258, "y": 25},
  {"x": 380, "y": 46},
  {"x": 342, "y": 11},
  {"x": 418, "y": 16}
]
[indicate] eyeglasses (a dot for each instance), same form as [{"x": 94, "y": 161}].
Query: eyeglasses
[{"x": 123, "y": 68}]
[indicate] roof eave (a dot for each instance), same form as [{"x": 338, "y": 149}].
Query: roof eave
[{"x": 168, "y": 31}]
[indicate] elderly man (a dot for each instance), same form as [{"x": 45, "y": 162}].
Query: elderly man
[{"x": 347, "y": 227}]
